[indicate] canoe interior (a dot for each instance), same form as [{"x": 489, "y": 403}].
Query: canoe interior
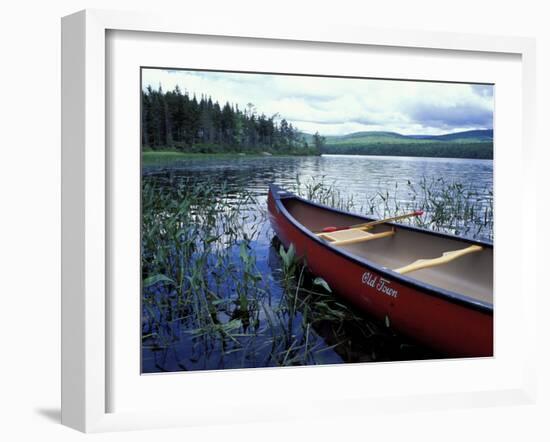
[{"x": 470, "y": 275}]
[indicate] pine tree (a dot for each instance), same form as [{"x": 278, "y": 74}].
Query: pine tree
[{"x": 173, "y": 119}]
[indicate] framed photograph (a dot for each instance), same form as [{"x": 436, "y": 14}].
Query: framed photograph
[{"x": 261, "y": 212}]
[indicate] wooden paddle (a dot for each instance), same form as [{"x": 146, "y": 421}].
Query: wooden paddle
[{"x": 371, "y": 223}]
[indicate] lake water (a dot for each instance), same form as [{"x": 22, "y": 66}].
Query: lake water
[
  {"x": 362, "y": 177},
  {"x": 379, "y": 185}
]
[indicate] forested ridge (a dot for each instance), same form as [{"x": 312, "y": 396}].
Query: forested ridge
[
  {"x": 174, "y": 120},
  {"x": 476, "y": 144},
  {"x": 447, "y": 149}
]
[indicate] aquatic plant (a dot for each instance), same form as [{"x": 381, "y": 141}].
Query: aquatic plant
[
  {"x": 449, "y": 207},
  {"x": 207, "y": 305}
]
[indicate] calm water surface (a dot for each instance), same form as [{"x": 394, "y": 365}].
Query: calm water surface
[
  {"x": 357, "y": 176},
  {"x": 361, "y": 176}
]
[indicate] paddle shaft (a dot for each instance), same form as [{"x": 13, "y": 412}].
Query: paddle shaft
[{"x": 374, "y": 223}]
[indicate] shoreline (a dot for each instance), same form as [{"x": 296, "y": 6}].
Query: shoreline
[
  {"x": 149, "y": 157},
  {"x": 162, "y": 156}
]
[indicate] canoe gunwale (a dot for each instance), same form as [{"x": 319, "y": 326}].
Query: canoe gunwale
[{"x": 413, "y": 283}]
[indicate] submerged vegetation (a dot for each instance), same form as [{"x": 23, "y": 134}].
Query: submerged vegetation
[{"x": 219, "y": 292}]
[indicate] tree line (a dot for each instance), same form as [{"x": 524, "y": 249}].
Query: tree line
[
  {"x": 446, "y": 149},
  {"x": 174, "y": 120}
]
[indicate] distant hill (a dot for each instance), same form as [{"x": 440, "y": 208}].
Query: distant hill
[
  {"x": 470, "y": 136},
  {"x": 366, "y": 137},
  {"x": 467, "y": 144},
  {"x": 394, "y": 137}
]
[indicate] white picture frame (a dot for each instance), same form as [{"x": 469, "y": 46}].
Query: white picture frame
[{"x": 86, "y": 205}]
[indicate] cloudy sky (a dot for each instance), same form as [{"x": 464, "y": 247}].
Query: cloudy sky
[{"x": 336, "y": 106}]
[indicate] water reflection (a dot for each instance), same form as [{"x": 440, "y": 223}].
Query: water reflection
[
  {"x": 370, "y": 180},
  {"x": 275, "y": 334}
]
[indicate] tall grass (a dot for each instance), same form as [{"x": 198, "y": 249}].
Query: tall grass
[
  {"x": 448, "y": 206},
  {"x": 206, "y": 304}
]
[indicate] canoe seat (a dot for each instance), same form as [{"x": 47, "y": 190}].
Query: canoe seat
[
  {"x": 443, "y": 259},
  {"x": 352, "y": 236}
]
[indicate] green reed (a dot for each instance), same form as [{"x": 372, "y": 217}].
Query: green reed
[
  {"x": 204, "y": 294},
  {"x": 449, "y": 207}
]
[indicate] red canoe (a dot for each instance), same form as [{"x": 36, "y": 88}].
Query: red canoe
[{"x": 434, "y": 287}]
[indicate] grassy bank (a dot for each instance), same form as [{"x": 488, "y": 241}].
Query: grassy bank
[{"x": 155, "y": 157}]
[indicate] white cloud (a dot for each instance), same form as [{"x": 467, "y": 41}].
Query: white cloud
[{"x": 342, "y": 105}]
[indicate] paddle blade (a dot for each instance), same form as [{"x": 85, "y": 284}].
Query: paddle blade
[
  {"x": 333, "y": 229},
  {"x": 418, "y": 212}
]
